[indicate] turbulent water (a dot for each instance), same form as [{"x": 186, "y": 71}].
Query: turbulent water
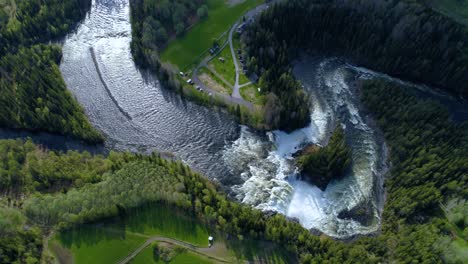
[
  {"x": 268, "y": 169},
  {"x": 136, "y": 114}
]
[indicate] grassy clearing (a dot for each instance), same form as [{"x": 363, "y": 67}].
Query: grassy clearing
[
  {"x": 457, "y": 9},
  {"x": 146, "y": 257},
  {"x": 212, "y": 81},
  {"x": 112, "y": 240},
  {"x": 185, "y": 50},
  {"x": 250, "y": 93},
  {"x": 88, "y": 244},
  {"x": 226, "y": 68}
]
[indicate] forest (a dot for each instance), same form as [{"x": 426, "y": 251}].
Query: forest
[
  {"x": 321, "y": 165},
  {"x": 428, "y": 151},
  {"x": 402, "y": 38},
  {"x": 287, "y": 104},
  {"x": 33, "y": 94},
  {"x": 154, "y": 23}
]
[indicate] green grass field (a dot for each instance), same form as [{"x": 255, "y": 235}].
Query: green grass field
[
  {"x": 146, "y": 257},
  {"x": 91, "y": 245},
  {"x": 110, "y": 241},
  {"x": 250, "y": 93},
  {"x": 218, "y": 84},
  {"x": 184, "y": 51},
  {"x": 457, "y": 9},
  {"x": 226, "y": 68}
]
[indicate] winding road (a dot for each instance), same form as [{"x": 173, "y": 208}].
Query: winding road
[
  {"x": 235, "y": 98},
  {"x": 201, "y": 251}
]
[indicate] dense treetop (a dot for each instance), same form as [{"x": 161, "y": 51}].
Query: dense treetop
[
  {"x": 33, "y": 94},
  {"x": 321, "y": 165},
  {"x": 401, "y": 38}
]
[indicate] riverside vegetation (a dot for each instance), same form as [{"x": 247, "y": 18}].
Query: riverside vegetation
[
  {"x": 154, "y": 33},
  {"x": 424, "y": 219},
  {"x": 415, "y": 228},
  {"x": 33, "y": 94},
  {"x": 403, "y": 38}
]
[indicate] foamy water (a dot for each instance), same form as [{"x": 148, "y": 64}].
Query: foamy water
[{"x": 270, "y": 173}]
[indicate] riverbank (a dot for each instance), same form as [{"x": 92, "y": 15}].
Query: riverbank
[{"x": 177, "y": 77}]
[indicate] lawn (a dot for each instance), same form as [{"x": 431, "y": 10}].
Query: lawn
[
  {"x": 212, "y": 81},
  {"x": 226, "y": 68},
  {"x": 250, "y": 93},
  {"x": 457, "y": 9},
  {"x": 146, "y": 257},
  {"x": 185, "y": 50},
  {"x": 112, "y": 240},
  {"x": 89, "y": 244}
]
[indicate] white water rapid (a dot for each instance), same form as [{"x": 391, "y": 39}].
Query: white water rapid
[{"x": 268, "y": 169}]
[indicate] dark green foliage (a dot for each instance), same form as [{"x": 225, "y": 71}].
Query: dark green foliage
[
  {"x": 40, "y": 21},
  {"x": 429, "y": 157},
  {"x": 322, "y": 165},
  {"x": 18, "y": 245},
  {"x": 399, "y": 37},
  {"x": 23, "y": 246},
  {"x": 33, "y": 95},
  {"x": 287, "y": 105},
  {"x": 26, "y": 167},
  {"x": 429, "y": 153},
  {"x": 155, "y": 21},
  {"x": 153, "y": 24}
]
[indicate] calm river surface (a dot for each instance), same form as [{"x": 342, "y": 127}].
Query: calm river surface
[{"x": 137, "y": 114}]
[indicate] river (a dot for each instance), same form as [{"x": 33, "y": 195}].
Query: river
[{"x": 135, "y": 113}]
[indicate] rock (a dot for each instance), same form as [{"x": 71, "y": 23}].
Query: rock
[{"x": 361, "y": 213}]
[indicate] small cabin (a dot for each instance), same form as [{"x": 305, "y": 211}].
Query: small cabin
[{"x": 221, "y": 59}]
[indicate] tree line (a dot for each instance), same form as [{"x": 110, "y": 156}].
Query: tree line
[
  {"x": 428, "y": 152},
  {"x": 399, "y": 37},
  {"x": 155, "y": 22},
  {"x": 33, "y": 94},
  {"x": 429, "y": 156}
]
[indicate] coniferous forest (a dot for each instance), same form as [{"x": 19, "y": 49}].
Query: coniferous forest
[
  {"x": 33, "y": 94},
  {"x": 424, "y": 177},
  {"x": 405, "y": 39},
  {"x": 425, "y": 218}
]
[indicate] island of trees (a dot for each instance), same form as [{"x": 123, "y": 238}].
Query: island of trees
[
  {"x": 428, "y": 152},
  {"x": 322, "y": 165},
  {"x": 33, "y": 94}
]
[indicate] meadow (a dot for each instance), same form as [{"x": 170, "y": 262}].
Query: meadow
[
  {"x": 184, "y": 51},
  {"x": 112, "y": 240}
]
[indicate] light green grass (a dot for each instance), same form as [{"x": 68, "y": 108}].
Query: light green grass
[
  {"x": 226, "y": 68},
  {"x": 189, "y": 258},
  {"x": 110, "y": 241},
  {"x": 146, "y": 257},
  {"x": 457, "y": 9},
  {"x": 91, "y": 245},
  {"x": 223, "y": 87},
  {"x": 185, "y": 50},
  {"x": 168, "y": 222},
  {"x": 250, "y": 93}
]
